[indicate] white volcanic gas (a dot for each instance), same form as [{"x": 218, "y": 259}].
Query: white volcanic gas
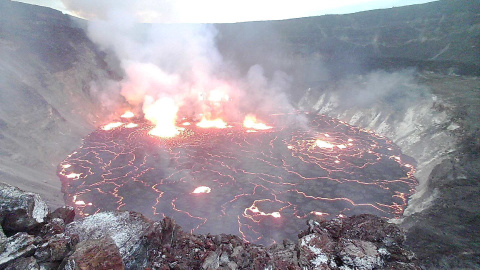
[{"x": 258, "y": 181}]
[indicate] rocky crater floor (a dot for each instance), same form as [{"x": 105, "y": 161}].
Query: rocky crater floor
[{"x": 32, "y": 237}]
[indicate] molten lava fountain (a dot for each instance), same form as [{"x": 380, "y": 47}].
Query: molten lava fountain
[{"x": 260, "y": 183}]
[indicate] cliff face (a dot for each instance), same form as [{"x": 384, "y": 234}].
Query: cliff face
[{"x": 46, "y": 106}]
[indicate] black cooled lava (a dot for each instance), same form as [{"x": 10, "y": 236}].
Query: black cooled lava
[{"x": 261, "y": 185}]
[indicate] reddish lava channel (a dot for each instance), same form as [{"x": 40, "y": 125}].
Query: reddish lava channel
[{"x": 259, "y": 184}]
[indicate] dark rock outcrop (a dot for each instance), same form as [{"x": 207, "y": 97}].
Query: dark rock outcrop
[
  {"x": 444, "y": 236},
  {"x": 56, "y": 248},
  {"x": 126, "y": 229},
  {"x": 66, "y": 213},
  {"x": 101, "y": 253},
  {"x": 23, "y": 263},
  {"x": 16, "y": 246},
  {"x": 20, "y": 211}
]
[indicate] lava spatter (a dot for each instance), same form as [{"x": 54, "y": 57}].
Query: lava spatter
[{"x": 260, "y": 185}]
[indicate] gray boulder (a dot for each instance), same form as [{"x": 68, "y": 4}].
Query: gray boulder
[
  {"x": 16, "y": 246},
  {"x": 359, "y": 254},
  {"x": 125, "y": 228},
  {"x": 23, "y": 264},
  {"x": 93, "y": 254},
  {"x": 21, "y": 211}
]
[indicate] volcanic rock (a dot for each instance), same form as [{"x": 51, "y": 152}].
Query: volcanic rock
[
  {"x": 16, "y": 246},
  {"x": 101, "y": 253},
  {"x": 53, "y": 227},
  {"x": 125, "y": 228},
  {"x": 66, "y": 213},
  {"x": 57, "y": 248},
  {"x": 373, "y": 229},
  {"x": 284, "y": 255},
  {"x": 19, "y": 210},
  {"x": 23, "y": 263},
  {"x": 359, "y": 254},
  {"x": 316, "y": 251},
  {"x": 212, "y": 261},
  {"x": 3, "y": 237},
  {"x": 49, "y": 266}
]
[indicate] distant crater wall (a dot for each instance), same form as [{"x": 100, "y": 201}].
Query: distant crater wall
[{"x": 47, "y": 67}]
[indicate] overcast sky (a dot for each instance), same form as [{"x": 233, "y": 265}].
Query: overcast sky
[{"x": 216, "y": 11}]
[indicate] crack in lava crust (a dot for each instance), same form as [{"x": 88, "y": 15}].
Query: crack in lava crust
[{"x": 260, "y": 185}]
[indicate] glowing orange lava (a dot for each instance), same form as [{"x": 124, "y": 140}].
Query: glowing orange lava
[
  {"x": 131, "y": 125},
  {"x": 252, "y": 122},
  {"x": 323, "y": 144},
  {"x": 317, "y": 213},
  {"x": 128, "y": 114},
  {"x": 73, "y": 175},
  {"x": 265, "y": 184},
  {"x": 202, "y": 189},
  {"x": 163, "y": 114},
  {"x": 112, "y": 126},
  {"x": 254, "y": 209},
  {"x": 216, "y": 123}
]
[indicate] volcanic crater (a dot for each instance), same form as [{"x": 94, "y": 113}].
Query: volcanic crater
[{"x": 261, "y": 184}]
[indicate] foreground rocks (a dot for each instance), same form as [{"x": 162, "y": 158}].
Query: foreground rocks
[
  {"x": 19, "y": 210},
  {"x": 128, "y": 240}
]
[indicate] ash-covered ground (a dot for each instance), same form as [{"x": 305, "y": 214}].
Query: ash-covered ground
[{"x": 259, "y": 184}]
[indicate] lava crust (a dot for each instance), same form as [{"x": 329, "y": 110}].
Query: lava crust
[{"x": 259, "y": 184}]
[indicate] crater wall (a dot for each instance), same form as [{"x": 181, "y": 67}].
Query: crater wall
[{"x": 46, "y": 103}]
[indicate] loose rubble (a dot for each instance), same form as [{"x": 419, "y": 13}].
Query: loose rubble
[{"x": 128, "y": 240}]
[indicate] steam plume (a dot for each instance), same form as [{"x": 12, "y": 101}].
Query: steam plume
[{"x": 179, "y": 64}]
